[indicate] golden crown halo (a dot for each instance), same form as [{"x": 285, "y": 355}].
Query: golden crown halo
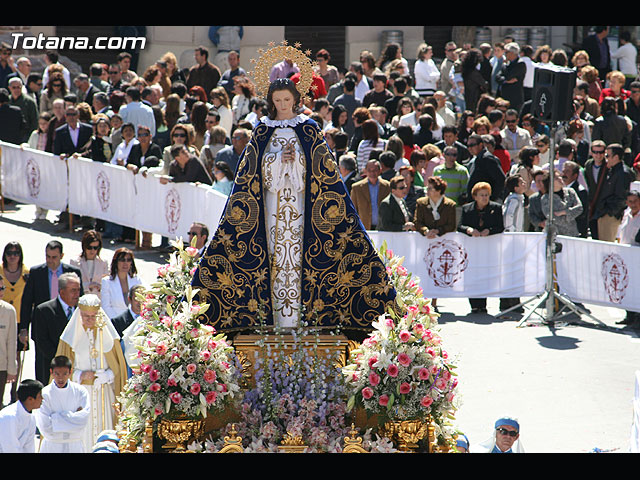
[{"x": 275, "y": 54}]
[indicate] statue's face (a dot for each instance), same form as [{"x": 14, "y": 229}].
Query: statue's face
[{"x": 283, "y": 100}]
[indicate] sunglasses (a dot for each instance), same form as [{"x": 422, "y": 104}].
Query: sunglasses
[
  {"x": 126, "y": 259},
  {"x": 93, "y": 247},
  {"x": 597, "y": 152},
  {"x": 183, "y": 135},
  {"x": 472, "y": 144},
  {"x": 504, "y": 431},
  {"x": 144, "y": 134},
  {"x": 13, "y": 253},
  {"x": 191, "y": 234}
]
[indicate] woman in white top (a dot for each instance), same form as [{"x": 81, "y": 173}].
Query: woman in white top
[
  {"x": 123, "y": 149},
  {"x": 92, "y": 267},
  {"x": 425, "y": 71},
  {"x": 115, "y": 287},
  {"x": 220, "y": 100},
  {"x": 244, "y": 91}
]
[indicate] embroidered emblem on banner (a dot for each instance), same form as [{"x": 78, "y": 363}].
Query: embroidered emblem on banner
[
  {"x": 445, "y": 261},
  {"x": 33, "y": 177},
  {"x": 172, "y": 210},
  {"x": 103, "y": 190},
  {"x": 616, "y": 277}
]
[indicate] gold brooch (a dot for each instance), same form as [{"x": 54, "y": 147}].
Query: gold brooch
[{"x": 275, "y": 54}]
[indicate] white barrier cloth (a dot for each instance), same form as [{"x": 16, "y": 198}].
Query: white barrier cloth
[
  {"x": 456, "y": 265},
  {"x": 601, "y": 273},
  {"x": 34, "y": 177},
  {"x": 170, "y": 209},
  {"x": 101, "y": 190}
]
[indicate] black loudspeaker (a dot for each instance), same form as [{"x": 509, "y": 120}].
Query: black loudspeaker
[{"x": 552, "y": 98}]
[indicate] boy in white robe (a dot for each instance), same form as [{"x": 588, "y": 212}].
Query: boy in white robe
[
  {"x": 64, "y": 413},
  {"x": 17, "y": 422}
]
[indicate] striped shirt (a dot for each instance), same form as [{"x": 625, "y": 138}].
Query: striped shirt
[{"x": 456, "y": 178}]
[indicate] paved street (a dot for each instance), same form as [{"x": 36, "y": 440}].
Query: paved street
[{"x": 571, "y": 386}]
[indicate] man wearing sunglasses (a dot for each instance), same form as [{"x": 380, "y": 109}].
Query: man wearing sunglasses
[
  {"x": 71, "y": 137},
  {"x": 505, "y": 438}
]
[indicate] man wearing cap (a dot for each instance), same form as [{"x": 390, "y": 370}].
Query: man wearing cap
[
  {"x": 505, "y": 438},
  {"x": 92, "y": 344}
]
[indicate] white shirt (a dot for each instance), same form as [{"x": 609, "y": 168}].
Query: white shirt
[
  {"x": 626, "y": 56},
  {"x": 528, "y": 77},
  {"x": 629, "y": 227},
  {"x": 62, "y": 418},
  {"x": 122, "y": 151},
  {"x": 361, "y": 89},
  {"x": 73, "y": 133},
  {"x": 427, "y": 76},
  {"x": 139, "y": 113},
  {"x": 18, "y": 429}
]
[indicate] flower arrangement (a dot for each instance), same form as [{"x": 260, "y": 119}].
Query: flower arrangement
[
  {"x": 401, "y": 371},
  {"x": 185, "y": 367}
]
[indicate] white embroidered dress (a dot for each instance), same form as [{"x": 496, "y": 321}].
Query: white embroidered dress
[{"x": 284, "y": 217}]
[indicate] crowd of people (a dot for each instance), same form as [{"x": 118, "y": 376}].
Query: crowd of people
[{"x": 425, "y": 147}]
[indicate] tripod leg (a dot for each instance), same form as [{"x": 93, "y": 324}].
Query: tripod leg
[
  {"x": 543, "y": 299},
  {"x": 577, "y": 310}
]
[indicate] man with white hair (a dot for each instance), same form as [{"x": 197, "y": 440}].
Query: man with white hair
[
  {"x": 26, "y": 104},
  {"x": 92, "y": 344},
  {"x": 504, "y": 439},
  {"x": 511, "y": 78}
]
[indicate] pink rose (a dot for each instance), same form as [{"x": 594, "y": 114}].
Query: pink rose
[
  {"x": 171, "y": 298},
  {"x": 431, "y": 352},
  {"x": 210, "y": 376},
  {"x": 372, "y": 361},
  {"x": 441, "y": 383},
  {"x": 154, "y": 387},
  {"x": 383, "y": 400},
  {"x": 195, "y": 389},
  {"x": 405, "y": 388},
  {"x": 450, "y": 396},
  {"x": 418, "y": 328},
  {"x": 195, "y": 309},
  {"x": 412, "y": 311},
  {"x": 388, "y": 322},
  {"x": 161, "y": 348},
  {"x": 212, "y": 344},
  {"x": 222, "y": 388},
  {"x": 195, "y": 333},
  {"x": 157, "y": 411},
  {"x": 374, "y": 379},
  {"x": 175, "y": 357},
  {"x": 211, "y": 397},
  {"x": 175, "y": 397},
  {"x": 446, "y": 375},
  {"x": 389, "y": 271},
  {"x": 191, "y": 368},
  {"x": 145, "y": 367},
  {"x": 205, "y": 355},
  {"x": 171, "y": 382},
  {"x": 367, "y": 393},
  {"x": 162, "y": 271},
  {"x": 404, "y": 359},
  {"x": 426, "y": 401},
  {"x": 191, "y": 251},
  {"x": 401, "y": 270},
  {"x": 428, "y": 335},
  {"x": 425, "y": 308},
  {"x": 423, "y": 374},
  {"x": 392, "y": 370},
  {"x": 153, "y": 375},
  {"x": 405, "y": 336},
  {"x": 389, "y": 254},
  {"x": 177, "y": 324}
]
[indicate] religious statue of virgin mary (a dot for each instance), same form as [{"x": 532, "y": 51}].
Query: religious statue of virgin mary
[{"x": 290, "y": 246}]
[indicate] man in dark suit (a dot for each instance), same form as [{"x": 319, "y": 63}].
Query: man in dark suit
[
  {"x": 511, "y": 78},
  {"x": 570, "y": 173},
  {"x": 12, "y": 122},
  {"x": 86, "y": 90},
  {"x": 594, "y": 45},
  {"x": 126, "y": 318},
  {"x": 595, "y": 171},
  {"x": 393, "y": 215},
  {"x": 450, "y": 139},
  {"x": 41, "y": 284},
  {"x": 348, "y": 171},
  {"x": 484, "y": 167},
  {"x": 49, "y": 321},
  {"x": 72, "y": 136}
]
